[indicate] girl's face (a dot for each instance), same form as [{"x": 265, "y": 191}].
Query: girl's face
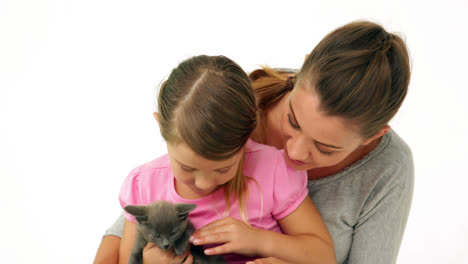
[
  {"x": 196, "y": 176},
  {"x": 311, "y": 138}
]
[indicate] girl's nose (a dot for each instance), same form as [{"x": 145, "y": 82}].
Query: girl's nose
[{"x": 204, "y": 183}]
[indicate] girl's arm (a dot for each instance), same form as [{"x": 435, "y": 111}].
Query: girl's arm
[{"x": 306, "y": 238}]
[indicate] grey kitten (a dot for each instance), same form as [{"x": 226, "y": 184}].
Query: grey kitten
[{"x": 167, "y": 225}]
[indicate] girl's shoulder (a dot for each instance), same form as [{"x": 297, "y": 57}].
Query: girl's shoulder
[
  {"x": 138, "y": 186},
  {"x": 159, "y": 163},
  {"x": 150, "y": 170},
  {"x": 263, "y": 161},
  {"x": 277, "y": 186},
  {"x": 255, "y": 147},
  {"x": 263, "y": 156}
]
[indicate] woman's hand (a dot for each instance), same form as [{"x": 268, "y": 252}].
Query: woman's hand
[
  {"x": 152, "y": 254},
  {"x": 267, "y": 261},
  {"x": 236, "y": 237}
]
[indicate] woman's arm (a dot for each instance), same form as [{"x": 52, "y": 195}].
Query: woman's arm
[
  {"x": 128, "y": 239},
  {"x": 379, "y": 230},
  {"x": 108, "y": 252},
  {"x": 154, "y": 255},
  {"x": 306, "y": 239}
]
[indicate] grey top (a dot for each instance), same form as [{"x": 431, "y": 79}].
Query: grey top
[
  {"x": 117, "y": 228},
  {"x": 364, "y": 206}
]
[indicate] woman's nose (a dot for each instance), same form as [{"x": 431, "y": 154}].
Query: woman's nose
[{"x": 296, "y": 150}]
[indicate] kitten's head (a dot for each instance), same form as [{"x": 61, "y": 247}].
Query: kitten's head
[{"x": 161, "y": 222}]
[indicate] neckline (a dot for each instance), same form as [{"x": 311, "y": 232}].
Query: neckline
[
  {"x": 385, "y": 140},
  {"x": 199, "y": 201}
]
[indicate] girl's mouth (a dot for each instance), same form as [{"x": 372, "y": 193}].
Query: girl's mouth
[{"x": 198, "y": 190}]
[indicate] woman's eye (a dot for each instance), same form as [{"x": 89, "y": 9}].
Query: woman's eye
[
  {"x": 325, "y": 152},
  {"x": 291, "y": 122},
  {"x": 187, "y": 169}
]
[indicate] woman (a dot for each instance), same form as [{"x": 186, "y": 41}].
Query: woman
[{"x": 331, "y": 119}]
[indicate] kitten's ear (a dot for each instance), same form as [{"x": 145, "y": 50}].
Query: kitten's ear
[
  {"x": 183, "y": 209},
  {"x": 136, "y": 210},
  {"x": 141, "y": 219},
  {"x": 139, "y": 211}
]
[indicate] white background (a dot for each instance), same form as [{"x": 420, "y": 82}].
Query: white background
[{"x": 77, "y": 85}]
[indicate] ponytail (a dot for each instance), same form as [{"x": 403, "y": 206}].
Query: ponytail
[{"x": 269, "y": 88}]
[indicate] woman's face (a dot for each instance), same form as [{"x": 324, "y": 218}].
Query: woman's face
[{"x": 311, "y": 138}]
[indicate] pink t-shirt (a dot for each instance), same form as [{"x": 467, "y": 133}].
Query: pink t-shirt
[{"x": 279, "y": 192}]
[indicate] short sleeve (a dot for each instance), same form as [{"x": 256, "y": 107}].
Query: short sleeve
[
  {"x": 384, "y": 216},
  {"x": 289, "y": 188},
  {"x": 117, "y": 228},
  {"x": 130, "y": 192}
]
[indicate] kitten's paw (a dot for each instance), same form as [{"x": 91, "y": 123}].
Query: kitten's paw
[
  {"x": 135, "y": 259},
  {"x": 179, "y": 250},
  {"x": 181, "y": 245}
]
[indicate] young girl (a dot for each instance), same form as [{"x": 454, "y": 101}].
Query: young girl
[{"x": 206, "y": 113}]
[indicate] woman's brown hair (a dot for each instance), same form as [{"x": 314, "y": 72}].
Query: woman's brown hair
[
  {"x": 359, "y": 71},
  {"x": 208, "y": 104}
]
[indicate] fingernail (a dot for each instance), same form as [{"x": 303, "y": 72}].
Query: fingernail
[
  {"x": 207, "y": 251},
  {"x": 191, "y": 239},
  {"x": 196, "y": 241}
]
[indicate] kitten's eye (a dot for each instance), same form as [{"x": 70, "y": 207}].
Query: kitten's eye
[{"x": 172, "y": 233}]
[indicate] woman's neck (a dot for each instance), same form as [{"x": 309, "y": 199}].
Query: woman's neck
[
  {"x": 353, "y": 157},
  {"x": 269, "y": 133}
]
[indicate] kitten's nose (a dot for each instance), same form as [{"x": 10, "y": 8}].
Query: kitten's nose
[{"x": 165, "y": 244}]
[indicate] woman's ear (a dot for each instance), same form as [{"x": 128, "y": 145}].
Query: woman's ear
[
  {"x": 377, "y": 135},
  {"x": 156, "y": 116}
]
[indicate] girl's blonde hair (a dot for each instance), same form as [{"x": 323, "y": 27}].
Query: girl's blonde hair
[{"x": 208, "y": 103}]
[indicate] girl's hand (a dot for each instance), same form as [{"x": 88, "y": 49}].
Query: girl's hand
[
  {"x": 152, "y": 254},
  {"x": 266, "y": 261},
  {"x": 236, "y": 237}
]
